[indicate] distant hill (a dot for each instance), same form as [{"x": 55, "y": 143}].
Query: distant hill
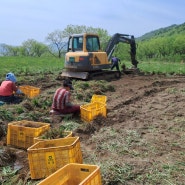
[{"x": 164, "y": 32}]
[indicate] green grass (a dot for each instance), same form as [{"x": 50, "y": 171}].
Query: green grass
[
  {"x": 35, "y": 65},
  {"x": 29, "y": 65},
  {"x": 160, "y": 67}
]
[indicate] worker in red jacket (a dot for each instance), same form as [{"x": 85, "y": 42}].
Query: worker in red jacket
[
  {"x": 62, "y": 100},
  {"x": 8, "y": 90}
]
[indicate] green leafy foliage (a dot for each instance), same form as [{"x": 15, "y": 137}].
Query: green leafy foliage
[
  {"x": 85, "y": 90},
  {"x": 6, "y": 114},
  {"x": 54, "y": 133},
  {"x": 29, "y": 66},
  {"x": 163, "y": 32}
]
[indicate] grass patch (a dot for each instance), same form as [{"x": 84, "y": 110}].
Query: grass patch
[
  {"x": 85, "y": 90},
  {"x": 29, "y": 65},
  {"x": 159, "y": 67}
]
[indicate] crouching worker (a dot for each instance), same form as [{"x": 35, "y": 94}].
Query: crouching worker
[
  {"x": 9, "y": 90},
  {"x": 62, "y": 102}
]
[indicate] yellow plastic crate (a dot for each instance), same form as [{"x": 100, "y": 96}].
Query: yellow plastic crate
[
  {"x": 75, "y": 174},
  {"x": 67, "y": 134},
  {"x": 30, "y": 91},
  {"x": 99, "y": 98},
  {"x": 89, "y": 111},
  {"x": 21, "y": 134},
  {"x": 45, "y": 157}
]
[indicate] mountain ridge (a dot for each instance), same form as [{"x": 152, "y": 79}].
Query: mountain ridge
[{"x": 162, "y": 32}]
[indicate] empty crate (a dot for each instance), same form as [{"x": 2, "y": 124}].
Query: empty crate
[
  {"x": 91, "y": 110},
  {"x": 75, "y": 174},
  {"x": 99, "y": 98},
  {"x": 30, "y": 91}
]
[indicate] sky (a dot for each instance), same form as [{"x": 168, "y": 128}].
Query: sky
[{"x": 35, "y": 19}]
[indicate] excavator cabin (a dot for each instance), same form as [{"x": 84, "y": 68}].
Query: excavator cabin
[{"x": 84, "y": 42}]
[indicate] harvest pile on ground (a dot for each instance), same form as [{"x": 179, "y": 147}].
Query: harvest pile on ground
[{"x": 140, "y": 142}]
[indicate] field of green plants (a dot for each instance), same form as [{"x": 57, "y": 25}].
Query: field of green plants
[
  {"x": 39, "y": 65},
  {"x": 29, "y": 65}
]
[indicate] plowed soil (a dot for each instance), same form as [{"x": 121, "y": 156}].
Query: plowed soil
[{"x": 147, "y": 115}]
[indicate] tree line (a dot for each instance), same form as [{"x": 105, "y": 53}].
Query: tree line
[
  {"x": 165, "y": 47},
  {"x": 56, "y": 43},
  {"x": 170, "y": 48}
]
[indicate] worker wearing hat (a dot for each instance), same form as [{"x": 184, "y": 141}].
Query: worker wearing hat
[
  {"x": 61, "y": 99},
  {"x": 8, "y": 88}
]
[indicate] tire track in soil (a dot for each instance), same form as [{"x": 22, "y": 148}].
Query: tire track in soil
[{"x": 128, "y": 112}]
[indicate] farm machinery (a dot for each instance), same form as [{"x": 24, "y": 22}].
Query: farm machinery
[{"x": 85, "y": 60}]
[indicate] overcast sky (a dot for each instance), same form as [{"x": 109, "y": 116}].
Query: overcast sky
[{"x": 35, "y": 19}]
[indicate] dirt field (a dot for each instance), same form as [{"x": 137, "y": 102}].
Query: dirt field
[{"x": 142, "y": 139}]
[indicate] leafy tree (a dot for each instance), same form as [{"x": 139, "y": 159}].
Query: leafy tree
[
  {"x": 57, "y": 43},
  {"x": 58, "y": 39},
  {"x": 164, "y": 44},
  {"x": 122, "y": 50},
  {"x": 179, "y": 45},
  {"x": 32, "y": 47},
  {"x": 7, "y": 50},
  {"x": 75, "y": 29},
  {"x": 104, "y": 37}
]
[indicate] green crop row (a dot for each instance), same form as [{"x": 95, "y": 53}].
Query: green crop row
[
  {"x": 29, "y": 65},
  {"x": 38, "y": 65}
]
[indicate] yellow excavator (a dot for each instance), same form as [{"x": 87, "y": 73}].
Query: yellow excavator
[{"x": 85, "y": 60}]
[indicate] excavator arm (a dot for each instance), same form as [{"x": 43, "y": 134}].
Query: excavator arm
[{"x": 115, "y": 39}]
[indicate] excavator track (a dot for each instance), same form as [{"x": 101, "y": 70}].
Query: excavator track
[
  {"x": 95, "y": 75},
  {"x": 104, "y": 75}
]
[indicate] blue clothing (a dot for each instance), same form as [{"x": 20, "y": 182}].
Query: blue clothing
[
  {"x": 11, "y": 77},
  {"x": 115, "y": 63}
]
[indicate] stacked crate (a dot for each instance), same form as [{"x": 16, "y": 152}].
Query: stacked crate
[
  {"x": 96, "y": 107},
  {"x": 58, "y": 160},
  {"x": 45, "y": 157}
]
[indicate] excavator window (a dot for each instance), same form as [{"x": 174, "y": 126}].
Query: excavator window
[
  {"x": 77, "y": 43},
  {"x": 92, "y": 43}
]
